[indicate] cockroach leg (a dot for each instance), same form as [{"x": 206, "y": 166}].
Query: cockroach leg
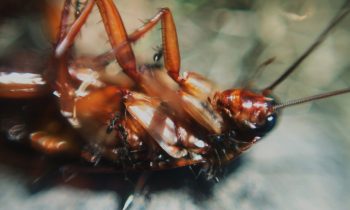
[
  {"x": 63, "y": 23},
  {"x": 65, "y": 88},
  {"x": 66, "y": 38},
  {"x": 120, "y": 41},
  {"x": 53, "y": 144},
  {"x": 170, "y": 42},
  {"x": 118, "y": 38},
  {"x": 138, "y": 191},
  {"x": 72, "y": 100}
]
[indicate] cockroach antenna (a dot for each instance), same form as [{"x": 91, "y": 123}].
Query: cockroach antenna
[
  {"x": 310, "y": 98},
  {"x": 258, "y": 71},
  {"x": 340, "y": 15}
]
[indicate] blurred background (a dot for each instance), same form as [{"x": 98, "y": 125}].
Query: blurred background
[{"x": 302, "y": 164}]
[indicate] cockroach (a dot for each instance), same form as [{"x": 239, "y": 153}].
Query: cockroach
[{"x": 159, "y": 120}]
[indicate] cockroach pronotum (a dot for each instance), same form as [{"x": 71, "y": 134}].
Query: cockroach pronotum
[{"x": 157, "y": 120}]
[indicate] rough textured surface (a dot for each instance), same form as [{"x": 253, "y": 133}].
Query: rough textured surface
[{"x": 303, "y": 164}]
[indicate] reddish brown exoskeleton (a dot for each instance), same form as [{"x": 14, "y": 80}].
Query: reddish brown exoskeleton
[{"x": 161, "y": 119}]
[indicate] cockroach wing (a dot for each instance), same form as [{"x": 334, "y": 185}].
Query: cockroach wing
[
  {"x": 202, "y": 112},
  {"x": 162, "y": 128},
  {"x": 197, "y": 85}
]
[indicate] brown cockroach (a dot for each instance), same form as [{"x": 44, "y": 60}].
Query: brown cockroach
[{"x": 157, "y": 120}]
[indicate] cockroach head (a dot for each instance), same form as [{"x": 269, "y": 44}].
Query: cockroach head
[{"x": 248, "y": 113}]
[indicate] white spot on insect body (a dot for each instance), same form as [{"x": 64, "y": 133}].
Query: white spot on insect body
[{"x": 21, "y": 78}]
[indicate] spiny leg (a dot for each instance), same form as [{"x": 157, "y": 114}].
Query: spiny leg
[
  {"x": 192, "y": 83},
  {"x": 118, "y": 38},
  {"x": 120, "y": 41},
  {"x": 66, "y": 37},
  {"x": 79, "y": 109},
  {"x": 116, "y": 33},
  {"x": 139, "y": 192},
  {"x": 170, "y": 43}
]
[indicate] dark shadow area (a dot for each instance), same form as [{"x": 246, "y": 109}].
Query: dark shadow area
[
  {"x": 20, "y": 117},
  {"x": 42, "y": 174}
]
